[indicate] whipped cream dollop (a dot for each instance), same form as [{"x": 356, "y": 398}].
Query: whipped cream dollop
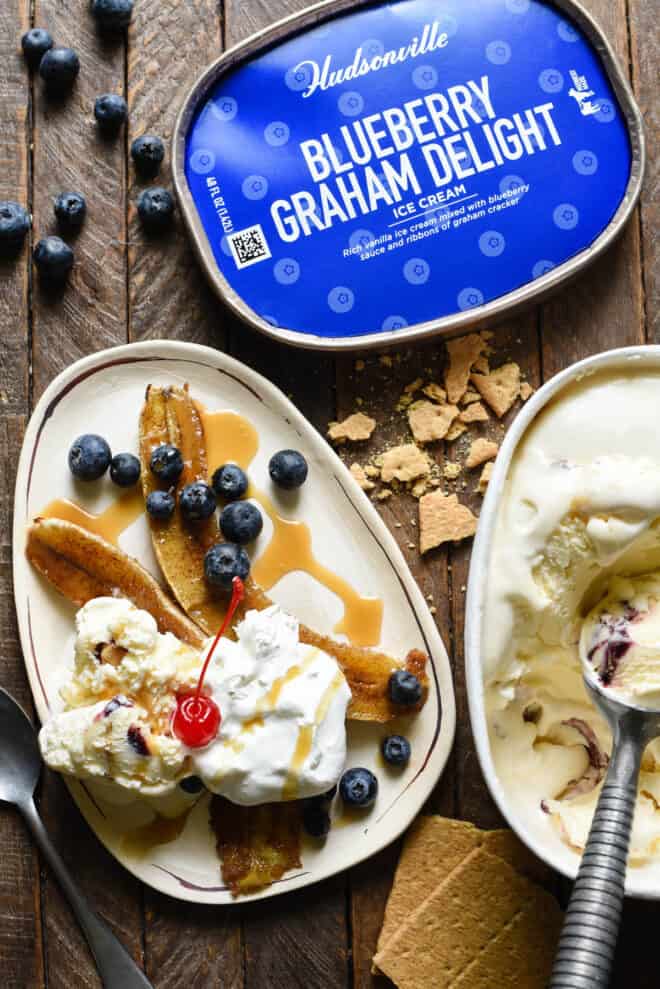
[
  {"x": 578, "y": 523},
  {"x": 283, "y": 706}
]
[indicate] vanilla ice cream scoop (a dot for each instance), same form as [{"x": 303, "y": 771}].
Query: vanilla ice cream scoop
[{"x": 620, "y": 639}]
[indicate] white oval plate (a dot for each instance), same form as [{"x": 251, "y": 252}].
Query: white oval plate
[
  {"x": 538, "y": 834},
  {"x": 104, "y": 393}
]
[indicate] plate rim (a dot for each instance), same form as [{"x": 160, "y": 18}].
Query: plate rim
[{"x": 264, "y": 391}]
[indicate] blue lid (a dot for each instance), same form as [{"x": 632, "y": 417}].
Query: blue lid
[{"x": 405, "y": 163}]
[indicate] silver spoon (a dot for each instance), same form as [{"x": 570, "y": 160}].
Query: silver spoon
[
  {"x": 591, "y": 926},
  {"x": 20, "y": 766}
]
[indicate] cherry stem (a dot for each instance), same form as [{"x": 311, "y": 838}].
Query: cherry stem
[{"x": 238, "y": 590}]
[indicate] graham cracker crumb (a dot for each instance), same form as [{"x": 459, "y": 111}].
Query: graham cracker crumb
[
  {"x": 385, "y": 360},
  {"x": 500, "y": 388},
  {"x": 456, "y": 429},
  {"x": 462, "y": 355},
  {"x": 451, "y": 470},
  {"x": 435, "y": 392},
  {"x": 474, "y": 413},
  {"x": 358, "y": 473},
  {"x": 419, "y": 488},
  {"x": 443, "y": 519},
  {"x": 384, "y": 494},
  {"x": 430, "y": 422},
  {"x": 481, "y": 364},
  {"x": 526, "y": 390},
  {"x": 486, "y": 475},
  {"x": 359, "y": 365},
  {"x": 413, "y": 386},
  {"x": 470, "y": 396},
  {"x": 372, "y": 471},
  {"x": 480, "y": 451},
  {"x": 357, "y": 428},
  {"x": 404, "y": 463}
]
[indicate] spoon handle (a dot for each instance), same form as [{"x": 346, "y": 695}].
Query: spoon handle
[
  {"x": 116, "y": 967},
  {"x": 591, "y": 926}
]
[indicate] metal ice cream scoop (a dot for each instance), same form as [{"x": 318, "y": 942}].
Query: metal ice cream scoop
[
  {"x": 591, "y": 925},
  {"x": 20, "y": 766}
]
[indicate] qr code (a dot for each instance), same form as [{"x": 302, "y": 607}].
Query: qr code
[{"x": 249, "y": 246}]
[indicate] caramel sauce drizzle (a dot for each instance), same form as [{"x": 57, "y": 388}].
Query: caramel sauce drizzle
[
  {"x": 108, "y": 524},
  {"x": 306, "y": 737}
]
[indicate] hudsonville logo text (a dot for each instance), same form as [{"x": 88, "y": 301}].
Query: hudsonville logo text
[{"x": 325, "y": 76}]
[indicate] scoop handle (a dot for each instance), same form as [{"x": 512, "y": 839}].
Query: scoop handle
[{"x": 591, "y": 926}]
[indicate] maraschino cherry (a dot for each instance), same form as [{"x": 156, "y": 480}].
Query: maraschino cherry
[{"x": 197, "y": 718}]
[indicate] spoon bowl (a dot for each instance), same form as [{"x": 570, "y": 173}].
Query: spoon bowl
[{"x": 20, "y": 759}]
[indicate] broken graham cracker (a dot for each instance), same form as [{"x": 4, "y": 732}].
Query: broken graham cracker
[
  {"x": 526, "y": 390},
  {"x": 484, "y": 925},
  {"x": 443, "y": 519},
  {"x": 486, "y": 475},
  {"x": 430, "y": 422},
  {"x": 434, "y": 391},
  {"x": 358, "y": 473},
  {"x": 357, "y": 428},
  {"x": 475, "y": 412},
  {"x": 456, "y": 429},
  {"x": 462, "y": 355},
  {"x": 404, "y": 463},
  {"x": 480, "y": 451},
  {"x": 500, "y": 388}
]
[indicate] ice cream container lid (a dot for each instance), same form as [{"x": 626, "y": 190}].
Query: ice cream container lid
[{"x": 363, "y": 174}]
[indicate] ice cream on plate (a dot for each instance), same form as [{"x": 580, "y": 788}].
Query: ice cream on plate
[
  {"x": 575, "y": 572},
  {"x": 283, "y": 707}
]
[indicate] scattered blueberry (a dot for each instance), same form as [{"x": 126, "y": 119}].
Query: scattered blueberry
[
  {"x": 58, "y": 69},
  {"x": 89, "y": 457},
  {"x": 147, "y": 153},
  {"x": 14, "y": 224},
  {"x": 161, "y": 505},
  {"x": 156, "y": 209},
  {"x": 112, "y": 16},
  {"x": 70, "y": 209},
  {"x": 288, "y": 469},
  {"x": 404, "y": 688},
  {"x": 229, "y": 482},
  {"x": 191, "y": 784},
  {"x": 396, "y": 750},
  {"x": 35, "y": 43},
  {"x": 241, "y": 522},
  {"x": 110, "y": 111},
  {"x": 124, "y": 470},
  {"x": 166, "y": 463},
  {"x": 53, "y": 258},
  {"x": 223, "y": 562},
  {"x": 316, "y": 819},
  {"x": 197, "y": 502},
  {"x": 358, "y": 787}
]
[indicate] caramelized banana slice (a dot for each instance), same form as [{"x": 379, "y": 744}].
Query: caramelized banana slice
[
  {"x": 82, "y": 566},
  {"x": 169, "y": 415}
]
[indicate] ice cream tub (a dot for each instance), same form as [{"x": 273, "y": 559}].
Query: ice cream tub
[
  {"x": 362, "y": 174},
  {"x": 570, "y": 515}
]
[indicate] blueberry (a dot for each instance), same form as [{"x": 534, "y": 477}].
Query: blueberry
[
  {"x": 58, "y": 69},
  {"x": 229, "y": 482},
  {"x": 156, "y": 209},
  {"x": 70, "y": 209},
  {"x": 288, "y": 469},
  {"x": 396, "y": 750},
  {"x": 147, "y": 153},
  {"x": 166, "y": 463},
  {"x": 223, "y": 562},
  {"x": 124, "y": 470},
  {"x": 161, "y": 505},
  {"x": 89, "y": 457},
  {"x": 316, "y": 819},
  {"x": 53, "y": 258},
  {"x": 110, "y": 111},
  {"x": 241, "y": 522},
  {"x": 197, "y": 502},
  {"x": 14, "y": 224},
  {"x": 35, "y": 43},
  {"x": 404, "y": 688},
  {"x": 358, "y": 787},
  {"x": 112, "y": 16},
  {"x": 191, "y": 784}
]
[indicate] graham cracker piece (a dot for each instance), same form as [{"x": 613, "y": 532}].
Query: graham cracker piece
[
  {"x": 486, "y": 475},
  {"x": 430, "y": 422},
  {"x": 500, "y": 388},
  {"x": 462, "y": 355},
  {"x": 404, "y": 463},
  {"x": 413, "y": 386},
  {"x": 484, "y": 925},
  {"x": 480, "y": 451},
  {"x": 435, "y": 392},
  {"x": 475, "y": 412},
  {"x": 451, "y": 470},
  {"x": 357, "y": 428},
  {"x": 470, "y": 396},
  {"x": 358, "y": 473},
  {"x": 456, "y": 429},
  {"x": 526, "y": 390},
  {"x": 481, "y": 365},
  {"x": 443, "y": 519}
]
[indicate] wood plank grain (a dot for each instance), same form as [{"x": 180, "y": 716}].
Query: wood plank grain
[
  {"x": 21, "y": 954},
  {"x": 90, "y": 313},
  {"x": 645, "y": 58},
  {"x": 168, "y": 45}
]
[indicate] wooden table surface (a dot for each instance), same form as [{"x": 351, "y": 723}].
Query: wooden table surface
[{"x": 124, "y": 288}]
